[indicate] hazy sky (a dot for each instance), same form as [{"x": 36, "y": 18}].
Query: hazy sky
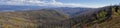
[{"x": 61, "y": 3}]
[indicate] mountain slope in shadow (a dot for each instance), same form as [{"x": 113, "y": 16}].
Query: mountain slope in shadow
[{"x": 106, "y": 17}]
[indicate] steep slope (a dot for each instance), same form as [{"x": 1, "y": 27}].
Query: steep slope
[
  {"x": 114, "y": 20},
  {"x": 106, "y": 17},
  {"x": 31, "y": 19}
]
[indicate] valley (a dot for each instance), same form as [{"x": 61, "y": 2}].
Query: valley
[{"x": 105, "y": 17}]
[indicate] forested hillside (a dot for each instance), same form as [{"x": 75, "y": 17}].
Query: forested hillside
[
  {"x": 105, "y": 17},
  {"x": 30, "y": 19}
]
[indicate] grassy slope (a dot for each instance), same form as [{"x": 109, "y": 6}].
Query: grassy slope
[{"x": 30, "y": 19}]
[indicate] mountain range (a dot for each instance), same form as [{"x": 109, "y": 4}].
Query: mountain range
[
  {"x": 66, "y": 10},
  {"x": 59, "y": 17}
]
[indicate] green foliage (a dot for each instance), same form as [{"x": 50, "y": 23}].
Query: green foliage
[
  {"x": 114, "y": 12},
  {"x": 118, "y": 11},
  {"x": 101, "y": 14}
]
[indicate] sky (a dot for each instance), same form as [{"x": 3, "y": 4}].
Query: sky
[{"x": 62, "y": 3}]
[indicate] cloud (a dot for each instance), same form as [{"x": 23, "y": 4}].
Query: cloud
[{"x": 42, "y": 3}]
